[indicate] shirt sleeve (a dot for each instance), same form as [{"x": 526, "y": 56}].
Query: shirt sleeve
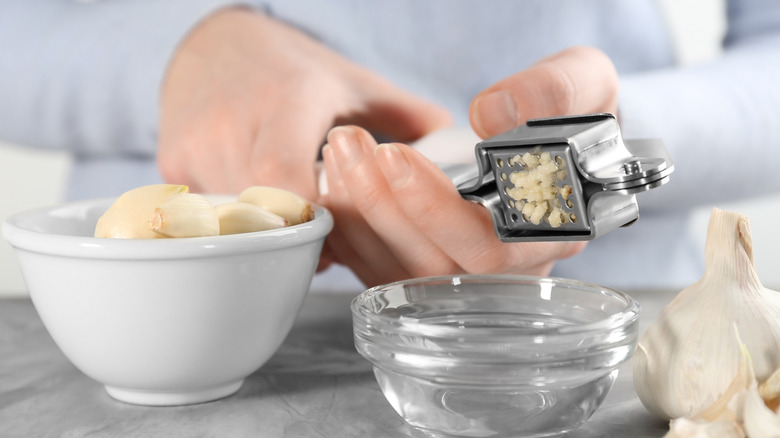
[
  {"x": 720, "y": 120},
  {"x": 86, "y": 75}
]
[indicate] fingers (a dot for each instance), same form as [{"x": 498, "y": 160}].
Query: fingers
[
  {"x": 577, "y": 80},
  {"x": 353, "y": 150},
  {"x": 326, "y": 257},
  {"x": 414, "y": 222},
  {"x": 461, "y": 229},
  {"x": 353, "y": 241}
]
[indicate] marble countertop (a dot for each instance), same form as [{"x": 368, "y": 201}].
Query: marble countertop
[{"x": 316, "y": 385}]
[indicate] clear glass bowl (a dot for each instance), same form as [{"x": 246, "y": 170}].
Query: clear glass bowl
[{"x": 495, "y": 355}]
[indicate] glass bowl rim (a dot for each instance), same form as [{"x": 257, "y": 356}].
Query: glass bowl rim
[{"x": 412, "y": 327}]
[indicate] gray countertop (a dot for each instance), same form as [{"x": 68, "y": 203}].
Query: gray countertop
[{"x": 316, "y": 385}]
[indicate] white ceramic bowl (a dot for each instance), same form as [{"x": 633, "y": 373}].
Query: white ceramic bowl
[{"x": 164, "y": 321}]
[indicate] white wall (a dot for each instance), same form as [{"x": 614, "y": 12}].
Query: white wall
[{"x": 30, "y": 178}]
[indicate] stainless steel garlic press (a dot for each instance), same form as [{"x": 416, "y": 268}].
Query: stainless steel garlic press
[{"x": 562, "y": 178}]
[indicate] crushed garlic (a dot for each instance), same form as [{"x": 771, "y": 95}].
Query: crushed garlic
[{"x": 536, "y": 188}]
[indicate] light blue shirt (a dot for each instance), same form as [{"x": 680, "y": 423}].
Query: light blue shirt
[{"x": 85, "y": 76}]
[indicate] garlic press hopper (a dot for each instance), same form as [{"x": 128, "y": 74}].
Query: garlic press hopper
[{"x": 563, "y": 178}]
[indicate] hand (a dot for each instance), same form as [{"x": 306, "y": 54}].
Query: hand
[
  {"x": 578, "y": 80},
  {"x": 248, "y": 100},
  {"x": 398, "y": 216}
]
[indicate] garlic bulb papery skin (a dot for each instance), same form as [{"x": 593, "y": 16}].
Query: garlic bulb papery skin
[
  {"x": 724, "y": 417},
  {"x": 730, "y": 405},
  {"x": 686, "y": 360}
]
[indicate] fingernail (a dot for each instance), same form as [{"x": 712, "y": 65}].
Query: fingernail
[
  {"x": 393, "y": 163},
  {"x": 330, "y": 166},
  {"x": 322, "y": 174},
  {"x": 345, "y": 144},
  {"x": 496, "y": 112}
]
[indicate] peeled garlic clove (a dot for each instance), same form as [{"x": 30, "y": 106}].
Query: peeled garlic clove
[
  {"x": 185, "y": 215},
  {"x": 280, "y": 202},
  {"x": 682, "y": 365},
  {"x": 759, "y": 421},
  {"x": 243, "y": 217},
  {"x": 128, "y": 217}
]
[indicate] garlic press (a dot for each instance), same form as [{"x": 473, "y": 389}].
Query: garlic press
[{"x": 562, "y": 178}]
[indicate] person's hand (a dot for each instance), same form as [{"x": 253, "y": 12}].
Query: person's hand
[
  {"x": 398, "y": 216},
  {"x": 248, "y": 101},
  {"x": 578, "y": 80}
]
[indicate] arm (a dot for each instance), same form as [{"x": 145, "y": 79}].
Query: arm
[
  {"x": 720, "y": 120},
  {"x": 86, "y": 76}
]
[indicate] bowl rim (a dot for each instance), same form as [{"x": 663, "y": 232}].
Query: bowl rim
[
  {"x": 416, "y": 328},
  {"x": 23, "y": 237}
]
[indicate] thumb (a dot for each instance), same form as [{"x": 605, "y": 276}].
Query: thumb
[{"x": 578, "y": 80}]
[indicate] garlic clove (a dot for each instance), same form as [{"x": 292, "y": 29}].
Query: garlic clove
[
  {"x": 286, "y": 204},
  {"x": 242, "y": 217},
  {"x": 687, "y": 428},
  {"x": 681, "y": 365},
  {"x": 729, "y": 406},
  {"x": 770, "y": 390},
  {"x": 759, "y": 421},
  {"x": 128, "y": 217},
  {"x": 185, "y": 215},
  {"x": 724, "y": 417}
]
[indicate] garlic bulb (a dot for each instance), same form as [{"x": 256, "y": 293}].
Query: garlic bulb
[
  {"x": 730, "y": 405},
  {"x": 723, "y": 417},
  {"x": 686, "y": 359}
]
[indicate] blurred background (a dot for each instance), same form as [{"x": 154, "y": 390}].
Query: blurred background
[{"x": 31, "y": 178}]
